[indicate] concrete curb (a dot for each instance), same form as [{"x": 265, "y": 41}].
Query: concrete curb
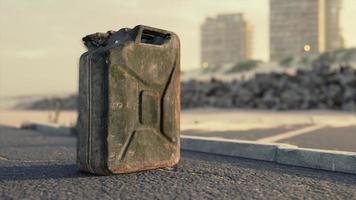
[
  {"x": 336, "y": 161},
  {"x": 48, "y": 129},
  {"x": 238, "y": 148}
]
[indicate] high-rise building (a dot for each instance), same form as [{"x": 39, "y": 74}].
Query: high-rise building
[
  {"x": 225, "y": 39},
  {"x": 304, "y": 27},
  {"x": 333, "y": 36}
]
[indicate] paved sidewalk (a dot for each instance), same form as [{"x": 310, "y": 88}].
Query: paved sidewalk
[
  {"x": 331, "y": 130},
  {"x": 34, "y": 166},
  {"x": 340, "y": 139}
]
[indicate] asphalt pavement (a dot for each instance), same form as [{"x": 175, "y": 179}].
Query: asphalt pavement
[
  {"x": 40, "y": 166},
  {"x": 320, "y": 129},
  {"x": 328, "y": 138},
  {"x": 341, "y": 138}
]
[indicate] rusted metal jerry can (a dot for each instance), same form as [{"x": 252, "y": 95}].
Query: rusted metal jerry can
[{"x": 129, "y": 101}]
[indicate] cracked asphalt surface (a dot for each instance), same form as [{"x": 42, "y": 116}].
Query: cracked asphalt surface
[{"x": 39, "y": 166}]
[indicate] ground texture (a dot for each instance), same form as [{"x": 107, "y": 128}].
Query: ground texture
[{"x": 39, "y": 166}]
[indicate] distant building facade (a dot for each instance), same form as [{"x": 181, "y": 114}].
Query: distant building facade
[
  {"x": 301, "y": 27},
  {"x": 333, "y": 37},
  {"x": 225, "y": 39}
]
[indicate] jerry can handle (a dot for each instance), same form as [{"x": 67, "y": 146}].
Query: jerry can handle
[{"x": 150, "y": 35}]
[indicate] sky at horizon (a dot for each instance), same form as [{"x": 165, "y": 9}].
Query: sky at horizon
[{"x": 41, "y": 40}]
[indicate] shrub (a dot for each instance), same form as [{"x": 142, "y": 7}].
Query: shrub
[
  {"x": 244, "y": 66},
  {"x": 286, "y": 62}
]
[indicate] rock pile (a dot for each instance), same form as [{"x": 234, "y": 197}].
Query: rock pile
[{"x": 318, "y": 88}]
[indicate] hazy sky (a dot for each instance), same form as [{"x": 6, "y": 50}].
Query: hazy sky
[{"x": 41, "y": 39}]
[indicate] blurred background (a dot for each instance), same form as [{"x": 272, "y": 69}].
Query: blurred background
[{"x": 271, "y": 70}]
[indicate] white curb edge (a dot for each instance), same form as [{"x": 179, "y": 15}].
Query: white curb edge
[
  {"x": 238, "y": 148},
  {"x": 336, "y": 161}
]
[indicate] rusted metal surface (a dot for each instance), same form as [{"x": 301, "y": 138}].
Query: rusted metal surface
[{"x": 129, "y": 101}]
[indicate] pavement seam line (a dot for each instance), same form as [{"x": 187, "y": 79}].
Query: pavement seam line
[
  {"x": 337, "y": 161},
  {"x": 291, "y": 134},
  {"x": 273, "y": 152}
]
